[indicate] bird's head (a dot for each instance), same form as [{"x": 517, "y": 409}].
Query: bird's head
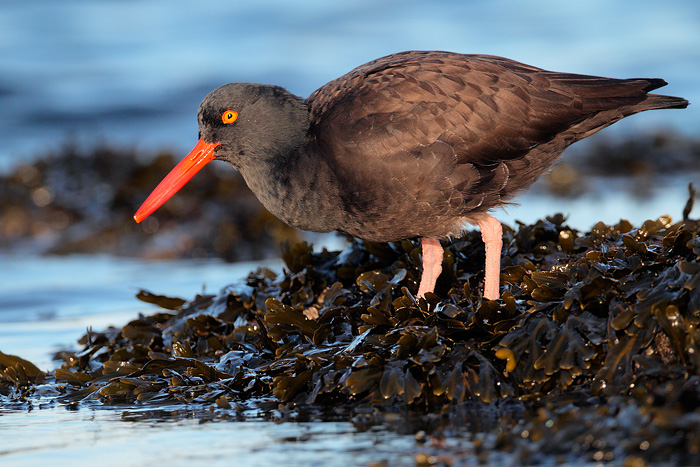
[{"x": 239, "y": 123}]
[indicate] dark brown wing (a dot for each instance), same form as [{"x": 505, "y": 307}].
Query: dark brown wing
[{"x": 483, "y": 127}]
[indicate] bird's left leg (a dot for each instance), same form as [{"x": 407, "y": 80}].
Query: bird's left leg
[{"x": 492, "y": 235}]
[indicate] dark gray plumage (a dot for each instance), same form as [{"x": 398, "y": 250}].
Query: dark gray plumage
[
  {"x": 415, "y": 144},
  {"x": 422, "y": 140}
]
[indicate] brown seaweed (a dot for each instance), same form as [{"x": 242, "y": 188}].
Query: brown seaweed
[{"x": 591, "y": 326}]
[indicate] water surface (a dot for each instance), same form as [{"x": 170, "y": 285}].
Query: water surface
[{"x": 117, "y": 436}]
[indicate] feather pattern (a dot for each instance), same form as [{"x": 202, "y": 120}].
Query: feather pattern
[{"x": 446, "y": 137}]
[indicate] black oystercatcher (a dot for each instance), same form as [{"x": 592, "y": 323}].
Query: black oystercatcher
[{"x": 415, "y": 144}]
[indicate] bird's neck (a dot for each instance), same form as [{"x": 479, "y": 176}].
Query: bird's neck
[{"x": 296, "y": 185}]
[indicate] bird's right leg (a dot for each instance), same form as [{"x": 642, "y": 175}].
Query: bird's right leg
[{"x": 432, "y": 265}]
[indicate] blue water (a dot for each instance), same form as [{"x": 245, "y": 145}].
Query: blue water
[
  {"x": 133, "y": 72},
  {"x": 107, "y": 437}
]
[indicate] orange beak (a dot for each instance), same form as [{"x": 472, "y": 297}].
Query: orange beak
[{"x": 201, "y": 155}]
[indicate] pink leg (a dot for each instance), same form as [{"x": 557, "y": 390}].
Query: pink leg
[
  {"x": 432, "y": 265},
  {"x": 492, "y": 235}
]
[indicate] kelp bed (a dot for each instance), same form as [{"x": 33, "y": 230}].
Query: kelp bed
[{"x": 592, "y": 352}]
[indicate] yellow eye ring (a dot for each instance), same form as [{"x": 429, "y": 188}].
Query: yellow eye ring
[{"x": 229, "y": 117}]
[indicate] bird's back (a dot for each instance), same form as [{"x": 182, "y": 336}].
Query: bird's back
[{"x": 455, "y": 135}]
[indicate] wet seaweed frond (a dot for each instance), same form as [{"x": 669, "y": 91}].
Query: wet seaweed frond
[{"x": 590, "y": 326}]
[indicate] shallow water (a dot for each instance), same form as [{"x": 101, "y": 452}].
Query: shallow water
[
  {"x": 126, "y": 437},
  {"x": 47, "y": 303}
]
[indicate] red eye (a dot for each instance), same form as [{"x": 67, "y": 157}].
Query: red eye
[{"x": 229, "y": 117}]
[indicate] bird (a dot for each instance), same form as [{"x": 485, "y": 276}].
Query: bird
[{"x": 417, "y": 144}]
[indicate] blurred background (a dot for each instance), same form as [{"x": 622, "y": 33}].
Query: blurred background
[
  {"x": 127, "y": 76},
  {"x": 132, "y": 72},
  {"x": 98, "y": 101}
]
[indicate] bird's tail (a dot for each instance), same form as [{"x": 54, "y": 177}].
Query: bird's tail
[{"x": 659, "y": 101}]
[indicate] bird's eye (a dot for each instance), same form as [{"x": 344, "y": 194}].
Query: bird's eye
[{"x": 229, "y": 117}]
